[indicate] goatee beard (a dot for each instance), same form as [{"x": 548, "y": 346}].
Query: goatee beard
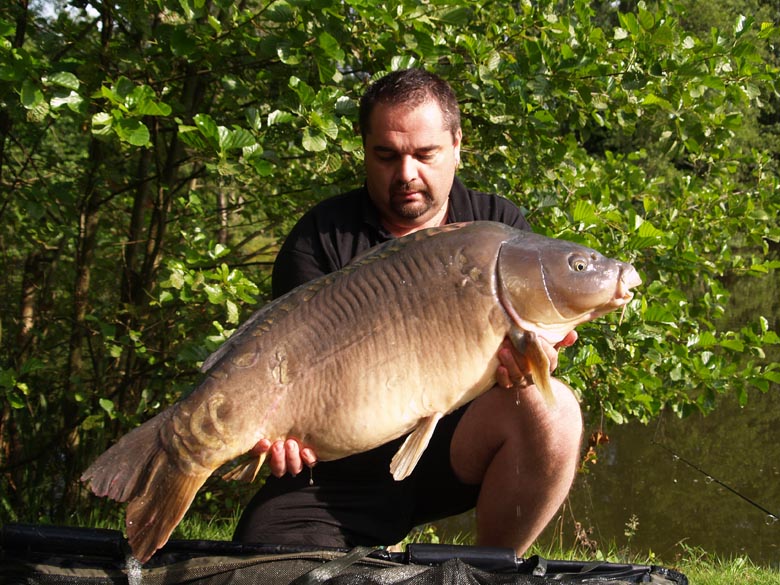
[
  {"x": 414, "y": 209},
  {"x": 410, "y": 210}
]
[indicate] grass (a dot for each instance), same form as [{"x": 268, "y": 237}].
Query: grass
[{"x": 701, "y": 567}]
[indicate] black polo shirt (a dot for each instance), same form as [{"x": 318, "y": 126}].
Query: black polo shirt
[{"x": 336, "y": 230}]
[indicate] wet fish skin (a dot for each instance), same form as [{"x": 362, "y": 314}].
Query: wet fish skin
[{"x": 388, "y": 345}]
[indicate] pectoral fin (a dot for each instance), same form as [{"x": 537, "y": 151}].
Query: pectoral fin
[
  {"x": 527, "y": 343},
  {"x": 409, "y": 454},
  {"x": 246, "y": 472}
]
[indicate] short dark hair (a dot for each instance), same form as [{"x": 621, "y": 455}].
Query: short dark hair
[{"x": 411, "y": 88}]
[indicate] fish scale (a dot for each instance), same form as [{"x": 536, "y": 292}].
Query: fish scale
[{"x": 388, "y": 345}]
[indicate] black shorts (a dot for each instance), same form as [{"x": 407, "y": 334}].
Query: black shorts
[{"x": 355, "y": 501}]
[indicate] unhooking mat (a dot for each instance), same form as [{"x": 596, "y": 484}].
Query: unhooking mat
[{"x": 32, "y": 554}]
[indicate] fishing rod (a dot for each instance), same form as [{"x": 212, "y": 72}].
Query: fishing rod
[{"x": 771, "y": 517}]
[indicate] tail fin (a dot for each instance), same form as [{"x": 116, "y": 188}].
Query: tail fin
[
  {"x": 120, "y": 472},
  {"x": 152, "y": 515},
  {"x": 138, "y": 470}
]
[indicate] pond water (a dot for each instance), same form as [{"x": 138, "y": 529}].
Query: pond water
[
  {"x": 703, "y": 482},
  {"x": 711, "y": 483}
]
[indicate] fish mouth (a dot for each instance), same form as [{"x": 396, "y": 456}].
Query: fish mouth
[{"x": 629, "y": 278}]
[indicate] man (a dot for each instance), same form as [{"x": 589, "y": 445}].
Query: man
[{"x": 507, "y": 452}]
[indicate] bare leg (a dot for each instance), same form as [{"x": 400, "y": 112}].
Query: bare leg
[{"x": 524, "y": 454}]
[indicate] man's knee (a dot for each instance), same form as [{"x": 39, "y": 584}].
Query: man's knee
[
  {"x": 519, "y": 422},
  {"x": 561, "y": 437}
]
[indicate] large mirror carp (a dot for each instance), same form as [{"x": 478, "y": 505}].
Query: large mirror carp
[{"x": 387, "y": 346}]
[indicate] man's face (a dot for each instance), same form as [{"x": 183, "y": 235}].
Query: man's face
[{"x": 410, "y": 164}]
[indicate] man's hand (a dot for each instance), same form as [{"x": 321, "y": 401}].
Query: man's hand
[
  {"x": 286, "y": 456},
  {"x": 514, "y": 369}
]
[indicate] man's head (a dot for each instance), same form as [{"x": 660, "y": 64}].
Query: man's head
[
  {"x": 410, "y": 125},
  {"x": 410, "y": 88}
]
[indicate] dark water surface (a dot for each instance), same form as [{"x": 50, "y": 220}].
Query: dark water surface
[{"x": 671, "y": 505}]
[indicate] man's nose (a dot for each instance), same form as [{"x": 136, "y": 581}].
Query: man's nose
[{"x": 407, "y": 169}]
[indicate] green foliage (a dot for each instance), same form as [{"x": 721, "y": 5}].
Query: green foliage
[{"x": 153, "y": 154}]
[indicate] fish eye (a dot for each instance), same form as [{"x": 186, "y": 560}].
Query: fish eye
[{"x": 578, "y": 263}]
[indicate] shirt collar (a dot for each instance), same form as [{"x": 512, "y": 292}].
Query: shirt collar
[{"x": 457, "y": 200}]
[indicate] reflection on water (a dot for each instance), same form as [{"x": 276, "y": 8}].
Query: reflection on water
[{"x": 674, "y": 504}]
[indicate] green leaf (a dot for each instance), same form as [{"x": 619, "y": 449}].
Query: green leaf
[
  {"x": 262, "y": 167},
  {"x": 279, "y": 117},
  {"x": 7, "y": 378},
  {"x": 31, "y": 95},
  {"x": 182, "y": 44},
  {"x": 92, "y": 422},
  {"x": 633, "y": 80},
  {"x": 102, "y": 123},
  {"x": 648, "y": 230},
  {"x": 654, "y": 100},
  {"x": 620, "y": 34},
  {"x": 232, "y": 312},
  {"x": 132, "y": 131},
  {"x": 208, "y": 127},
  {"x": 664, "y": 35},
  {"x": 72, "y": 100},
  {"x": 646, "y": 19},
  {"x": 63, "y": 79},
  {"x": 237, "y": 138},
  {"x": 7, "y": 28},
  {"x": 107, "y": 405},
  {"x": 457, "y": 16},
  {"x": 215, "y": 294},
  {"x": 254, "y": 118},
  {"x": 187, "y": 8},
  {"x": 288, "y": 55},
  {"x": 346, "y": 106},
  {"x": 330, "y": 46},
  {"x": 280, "y": 12},
  {"x": 303, "y": 90},
  {"x": 152, "y": 108},
  {"x": 314, "y": 141},
  {"x": 192, "y": 136},
  {"x": 402, "y": 62},
  {"x": 327, "y": 125},
  {"x": 215, "y": 24},
  {"x": 584, "y": 212},
  {"x": 142, "y": 101},
  {"x": 733, "y": 344},
  {"x": 123, "y": 87}
]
